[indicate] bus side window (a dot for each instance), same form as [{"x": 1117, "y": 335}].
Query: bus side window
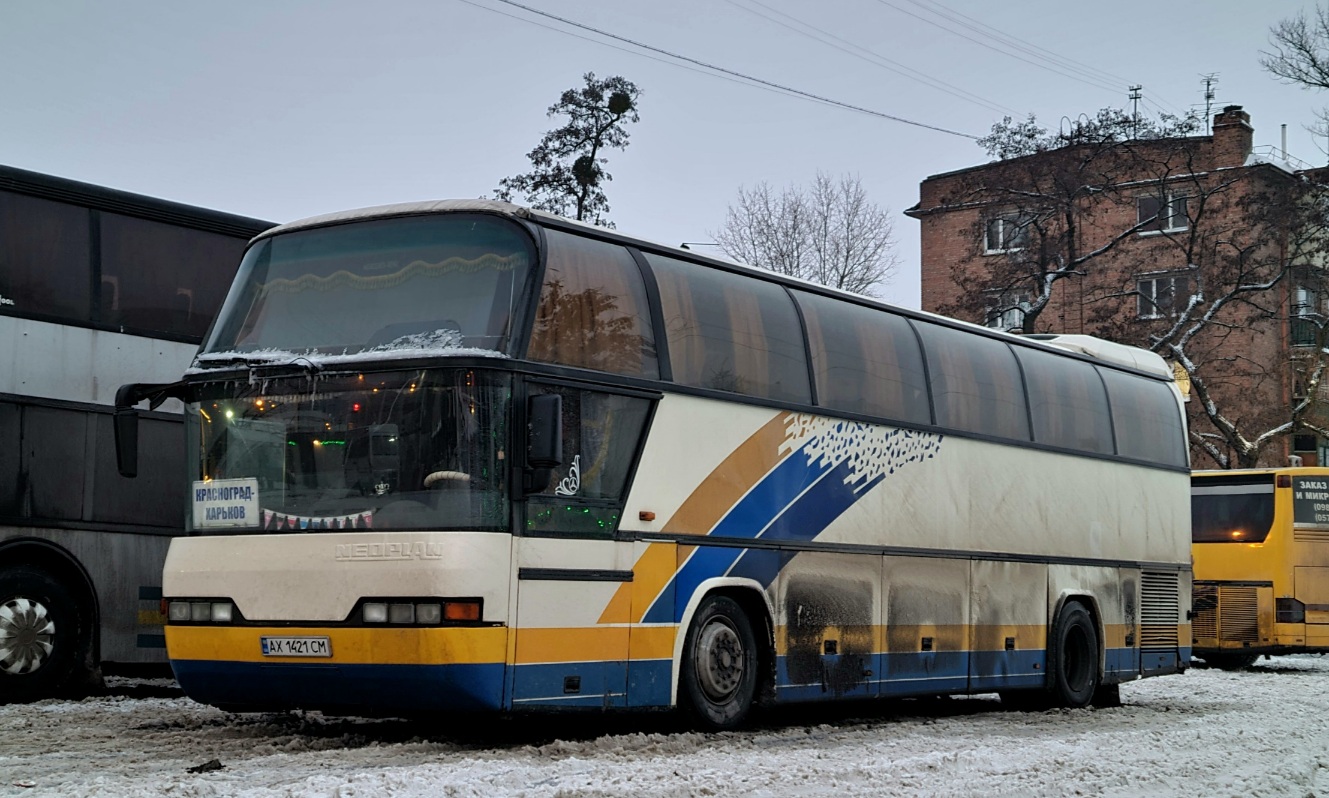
[
  {"x": 1067, "y": 402},
  {"x": 593, "y": 311},
  {"x": 731, "y": 333},
  {"x": 601, "y": 436},
  {"x": 1146, "y": 418},
  {"x": 45, "y": 257},
  {"x": 865, "y": 360},
  {"x": 976, "y": 384}
]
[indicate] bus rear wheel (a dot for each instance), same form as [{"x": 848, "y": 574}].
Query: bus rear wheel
[
  {"x": 1073, "y": 657},
  {"x": 45, "y": 640},
  {"x": 718, "y": 674}
]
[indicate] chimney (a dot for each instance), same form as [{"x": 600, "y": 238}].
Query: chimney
[{"x": 1233, "y": 136}]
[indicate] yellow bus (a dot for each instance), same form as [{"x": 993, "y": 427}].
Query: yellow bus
[
  {"x": 469, "y": 456},
  {"x": 1260, "y": 540}
]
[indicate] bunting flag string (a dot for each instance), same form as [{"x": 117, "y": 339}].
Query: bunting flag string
[{"x": 278, "y": 522}]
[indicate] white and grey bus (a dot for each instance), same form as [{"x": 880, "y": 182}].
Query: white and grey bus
[
  {"x": 97, "y": 287},
  {"x": 465, "y": 456}
]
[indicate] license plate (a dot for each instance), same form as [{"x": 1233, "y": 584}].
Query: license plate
[{"x": 296, "y": 646}]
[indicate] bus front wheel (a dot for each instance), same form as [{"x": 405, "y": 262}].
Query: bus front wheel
[
  {"x": 718, "y": 674},
  {"x": 45, "y": 641},
  {"x": 1073, "y": 657}
]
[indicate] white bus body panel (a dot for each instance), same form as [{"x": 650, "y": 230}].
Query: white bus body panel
[
  {"x": 74, "y": 364},
  {"x": 320, "y": 576}
]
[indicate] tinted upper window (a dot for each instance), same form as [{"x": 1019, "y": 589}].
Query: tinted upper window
[
  {"x": 1067, "y": 402},
  {"x": 1146, "y": 419},
  {"x": 45, "y": 258},
  {"x": 435, "y": 282},
  {"x": 161, "y": 277},
  {"x": 1231, "y": 513},
  {"x": 593, "y": 311},
  {"x": 865, "y": 360},
  {"x": 731, "y": 333},
  {"x": 975, "y": 383}
]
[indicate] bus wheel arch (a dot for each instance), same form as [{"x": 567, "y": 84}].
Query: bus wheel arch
[
  {"x": 725, "y": 654},
  {"x": 44, "y": 587}
]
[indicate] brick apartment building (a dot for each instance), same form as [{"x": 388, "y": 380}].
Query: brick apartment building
[{"x": 1190, "y": 245}]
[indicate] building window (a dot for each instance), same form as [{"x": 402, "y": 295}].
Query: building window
[
  {"x": 1006, "y": 310},
  {"x": 1162, "y": 296},
  {"x": 1162, "y": 214},
  {"x": 1306, "y": 318},
  {"x": 1009, "y": 233}
]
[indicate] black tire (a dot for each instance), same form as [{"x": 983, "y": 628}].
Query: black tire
[
  {"x": 45, "y": 637},
  {"x": 1073, "y": 675},
  {"x": 718, "y": 674},
  {"x": 1230, "y": 662}
]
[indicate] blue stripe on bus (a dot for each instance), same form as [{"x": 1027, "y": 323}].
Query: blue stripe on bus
[
  {"x": 650, "y": 681},
  {"x": 747, "y": 519},
  {"x": 637, "y": 683},
  {"x": 597, "y": 684},
  {"x": 1122, "y": 662},
  {"x": 404, "y": 689},
  {"x": 803, "y": 520}
]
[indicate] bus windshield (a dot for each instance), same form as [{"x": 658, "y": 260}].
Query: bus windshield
[
  {"x": 419, "y": 449},
  {"x": 416, "y": 282},
  {"x": 1231, "y": 512}
]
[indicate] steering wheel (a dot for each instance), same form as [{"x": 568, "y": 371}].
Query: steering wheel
[{"x": 446, "y": 476}]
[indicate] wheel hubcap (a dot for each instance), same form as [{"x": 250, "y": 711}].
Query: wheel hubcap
[
  {"x": 720, "y": 660},
  {"x": 27, "y": 635}
]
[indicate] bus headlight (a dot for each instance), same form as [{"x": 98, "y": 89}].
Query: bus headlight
[
  {"x": 422, "y": 612},
  {"x": 428, "y": 613},
  {"x": 182, "y": 611}
]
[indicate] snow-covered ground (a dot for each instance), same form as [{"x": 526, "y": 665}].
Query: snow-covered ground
[{"x": 1263, "y": 732}]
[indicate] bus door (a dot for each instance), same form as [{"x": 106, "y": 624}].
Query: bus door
[{"x": 571, "y": 645}]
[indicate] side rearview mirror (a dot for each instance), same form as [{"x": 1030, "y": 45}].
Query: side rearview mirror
[
  {"x": 125, "y": 422},
  {"x": 126, "y": 430},
  {"x": 544, "y": 431}
]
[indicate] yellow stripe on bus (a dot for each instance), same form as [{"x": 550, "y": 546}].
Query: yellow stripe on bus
[
  {"x": 600, "y": 644},
  {"x": 387, "y": 646},
  {"x": 731, "y": 480},
  {"x": 698, "y": 515}
]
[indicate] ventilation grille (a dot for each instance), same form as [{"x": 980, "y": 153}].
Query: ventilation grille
[
  {"x": 1204, "y": 603},
  {"x": 1238, "y": 615},
  {"x": 1310, "y": 535},
  {"x": 1159, "y": 610}
]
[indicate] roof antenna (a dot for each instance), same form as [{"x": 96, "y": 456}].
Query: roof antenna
[
  {"x": 1210, "y": 81},
  {"x": 1134, "y": 97}
]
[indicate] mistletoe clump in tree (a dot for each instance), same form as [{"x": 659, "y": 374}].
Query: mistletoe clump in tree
[{"x": 568, "y": 175}]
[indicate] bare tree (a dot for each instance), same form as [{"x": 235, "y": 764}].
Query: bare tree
[
  {"x": 1043, "y": 194},
  {"x": 1129, "y": 223},
  {"x": 568, "y": 174},
  {"x": 829, "y": 233},
  {"x": 1301, "y": 55}
]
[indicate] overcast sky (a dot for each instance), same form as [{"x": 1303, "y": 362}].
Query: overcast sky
[{"x": 281, "y": 110}]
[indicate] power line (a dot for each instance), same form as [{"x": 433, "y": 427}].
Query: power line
[
  {"x": 612, "y": 46},
  {"x": 724, "y": 71},
  {"x": 1084, "y": 73},
  {"x": 871, "y": 57},
  {"x": 1029, "y": 48},
  {"x": 1097, "y": 83}
]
